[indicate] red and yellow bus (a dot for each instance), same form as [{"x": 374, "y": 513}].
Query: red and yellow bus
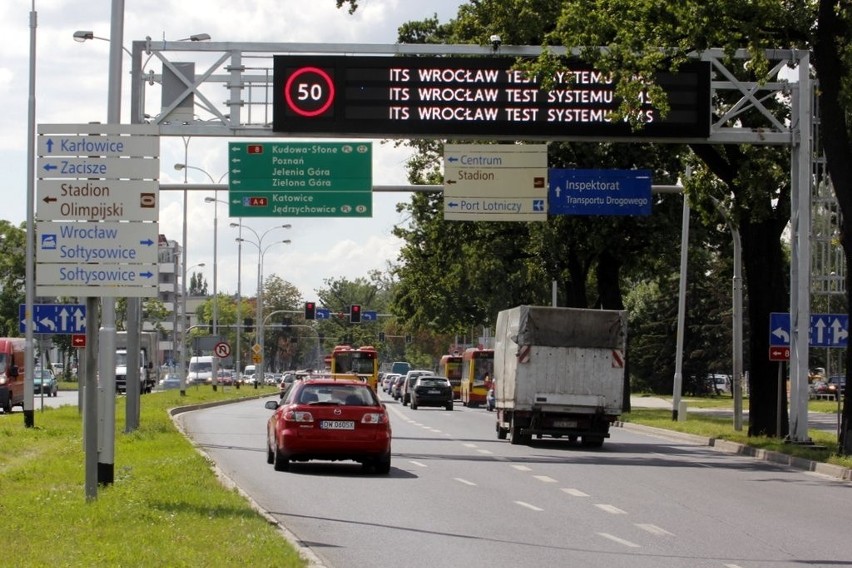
[
  {"x": 451, "y": 367},
  {"x": 477, "y": 369},
  {"x": 362, "y": 362}
]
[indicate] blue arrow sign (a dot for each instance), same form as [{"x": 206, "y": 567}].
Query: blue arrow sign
[
  {"x": 55, "y": 318},
  {"x": 322, "y": 314},
  {"x": 369, "y": 316},
  {"x": 825, "y": 330}
]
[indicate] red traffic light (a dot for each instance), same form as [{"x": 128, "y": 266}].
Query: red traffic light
[
  {"x": 310, "y": 310},
  {"x": 355, "y": 313}
]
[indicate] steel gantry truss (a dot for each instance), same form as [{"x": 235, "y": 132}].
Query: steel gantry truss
[{"x": 226, "y": 89}]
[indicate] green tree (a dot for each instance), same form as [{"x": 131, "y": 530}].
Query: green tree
[{"x": 12, "y": 272}]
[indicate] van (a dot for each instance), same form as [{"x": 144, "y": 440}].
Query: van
[
  {"x": 248, "y": 371},
  {"x": 400, "y": 367},
  {"x": 12, "y": 355},
  {"x": 200, "y": 370}
]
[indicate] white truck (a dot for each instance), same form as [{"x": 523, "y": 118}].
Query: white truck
[
  {"x": 148, "y": 370},
  {"x": 559, "y": 372}
]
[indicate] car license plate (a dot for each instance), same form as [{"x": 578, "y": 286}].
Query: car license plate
[
  {"x": 337, "y": 425},
  {"x": 433, "y": 391},
  {"x": 565, "y": 423}
]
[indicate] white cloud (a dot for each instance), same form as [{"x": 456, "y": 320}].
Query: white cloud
[{"x": 71, "y": 87}]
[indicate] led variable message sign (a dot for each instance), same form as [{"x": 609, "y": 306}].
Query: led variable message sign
[{"x": 467, "y": 96}]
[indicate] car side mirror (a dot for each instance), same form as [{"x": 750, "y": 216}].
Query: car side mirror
[{"x": 271, "y": 405}]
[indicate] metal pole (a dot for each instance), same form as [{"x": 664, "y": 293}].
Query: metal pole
[
  {"x": 239, "y": 368},
  {"x": 215, "y": 329},
  {"x": 681, "y": 312},
  {"x": 106, "y": 359},
  {"x": 182, "y": 364},
  {"x": 737, "y": 379},
  {"x": 29, "y": 411},
  {"x": 258, "y": 373}
]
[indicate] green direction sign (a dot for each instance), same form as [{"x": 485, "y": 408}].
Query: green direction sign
[
  {"x": 301, "y": 204},
  {"x": 300, "y": 179}
]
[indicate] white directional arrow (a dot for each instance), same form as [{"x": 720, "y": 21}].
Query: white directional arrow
[
  {"x": 79, "y": 319},
  {"x": 782, "y": 334},
  {"x": 839, "y": 334},
  {"x": 47, "y": 323},
  {"x": 63, "y": 319},
  {"x": 820, "y": 329}
]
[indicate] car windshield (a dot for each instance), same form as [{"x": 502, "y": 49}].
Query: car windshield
[
  {"x": 345, "y": 394},
  {"x": 433, "y": 382},
  {"x": 200, "y": 367}
]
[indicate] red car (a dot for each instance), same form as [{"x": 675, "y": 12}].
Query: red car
[{"x": 327, "y": 419}]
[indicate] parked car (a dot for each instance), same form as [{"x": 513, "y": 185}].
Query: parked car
[
  {"x": 327, "y": 419},
  {"x": 836, "y": 385},
  {"x": 405, "y": 387},
  {"x": 169, "y": 382},
  {"x": 431, "y": 390},
  {"x": 45, "y": 381}
]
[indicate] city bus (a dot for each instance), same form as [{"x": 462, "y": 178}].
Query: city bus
[
  {"x": 476, "y": 364},
  {"x": 362, "y": 362},
  {"x": 451, "y": 367}
]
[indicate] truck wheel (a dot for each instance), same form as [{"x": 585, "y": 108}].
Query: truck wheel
[
  {"x": 502, "y": 433},
  {"x": 592, "y": 441},
  {"x": 516, "y": 435}
]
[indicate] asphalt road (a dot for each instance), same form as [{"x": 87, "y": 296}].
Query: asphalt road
[{"x": 457, "y": 496}]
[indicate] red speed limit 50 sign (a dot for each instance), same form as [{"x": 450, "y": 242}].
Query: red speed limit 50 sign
[{"x": 309, "y": 91}]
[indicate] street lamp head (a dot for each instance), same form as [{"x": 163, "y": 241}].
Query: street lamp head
[
  {"x": 83, "y": 35},
  {"x": 179, "y": 167},
  {"x": 209, "y": 199},
  {"x": 234, "y": 225},
  {"x": 199, "y": 37}
]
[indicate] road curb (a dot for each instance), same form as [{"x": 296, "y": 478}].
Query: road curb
[{"x": 829, "y": 470}]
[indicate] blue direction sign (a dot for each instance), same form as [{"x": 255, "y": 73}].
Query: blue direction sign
[
  {"x": 55, "y": 318},
  {"x": 369, "y": 316},
  {"x": 323, "y": 314},
  {"x": 825, "y": 330},
  {"x": 599, "y": 192}
]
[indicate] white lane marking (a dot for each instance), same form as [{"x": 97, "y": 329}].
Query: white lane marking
[
  {"x": 619, "y": 540},
  {"x": 521, "y": 468},
  {"x": 418, "y": 464},
  {"x": 545, "y": 478},
  {"x": 654, "y": 529},
  {"x": 528, "y": 506},
  {"x": 465, "y": 481},
  {"x": 485, "y": 451},
  {"x": 732, "y": 566},
  {"x": 434, "y": 430},
  {"x": 610, "y": 509},
  {"x": 469, "y": 445},
  {"x": 574, "y": 492}
]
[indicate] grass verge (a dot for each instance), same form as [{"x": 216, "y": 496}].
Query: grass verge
[
  {"x": 165, "y": 507},
  {"x": 825, "y": 443}
]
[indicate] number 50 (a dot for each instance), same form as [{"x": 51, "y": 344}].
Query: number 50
[{"x": 311, "y": 92}]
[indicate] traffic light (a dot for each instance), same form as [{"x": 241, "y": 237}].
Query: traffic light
[
  {"x": 381, "y": 336},
  {"x": 248, "y": 325},
  {"x": 355, "y": 313},
  {"x": 310, "y": 310}
]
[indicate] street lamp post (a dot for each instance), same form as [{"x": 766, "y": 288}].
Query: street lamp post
[
  {"x": 261, "y": 251},
  {"x": 216, "y": 202}
]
